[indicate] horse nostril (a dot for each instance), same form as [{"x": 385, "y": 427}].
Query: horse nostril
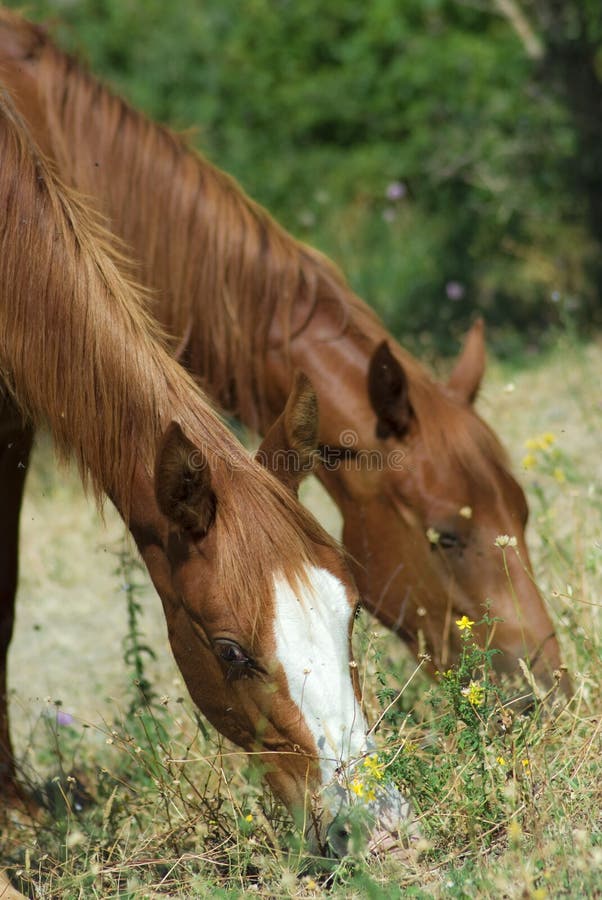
[{"x": 339, "y": 837}]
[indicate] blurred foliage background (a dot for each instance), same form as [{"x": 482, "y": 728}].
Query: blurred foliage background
[{"x": 446, "y": 153}]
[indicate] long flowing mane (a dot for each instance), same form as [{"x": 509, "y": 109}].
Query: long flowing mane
[
  {"x": 224, "y": 268},
  {"x": 79, "y": 352},
  {"x": 227, "y": 278}
]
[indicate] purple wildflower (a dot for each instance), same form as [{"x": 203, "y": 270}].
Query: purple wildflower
[
  {"x": 395, "y": 191},
  {"x": 455, "y": 290},
  {"x": 63, "y": 718}
]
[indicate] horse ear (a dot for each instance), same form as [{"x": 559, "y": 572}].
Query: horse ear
[
  {"x": 183, "y": 483},
  {"x": 290, "y": 448},
  {"x": 465, "y": 379},
  {"x": 388, "y": 392}
]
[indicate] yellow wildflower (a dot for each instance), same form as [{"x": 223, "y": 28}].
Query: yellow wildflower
[
  {"x": 526, "y": 765},
  {"x": 433, "y": 535},
  {"x": 357, "y": 787},
  {"x": 541, "y": 442},
  {"x": 464, "y": 624},
  {"x": 514, "y": 831},
  {"x": 474, "y": 693},
  {"x": 501, "y": 761},
  {"x": 311, "y": 885},
  {"x": 559, "y": 475},
  {"x": 529, "y": 461},
  {"x": 374, "y": 767},
  {"x": 249, "y": 818}
]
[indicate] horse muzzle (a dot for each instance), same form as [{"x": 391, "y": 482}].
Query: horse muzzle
[{"x": 347, "y": 824}]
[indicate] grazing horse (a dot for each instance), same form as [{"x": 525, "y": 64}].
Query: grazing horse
[
  {"x": 423, "y": 484},
  {"x": 257, "y": 597}
]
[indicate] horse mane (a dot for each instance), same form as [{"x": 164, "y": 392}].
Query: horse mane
[
  {"x": 225, "y": 269},
  {"x": 79, "y": 352},
  {"x": 229, "y": 276}
]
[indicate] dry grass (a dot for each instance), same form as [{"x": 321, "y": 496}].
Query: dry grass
[{"x": 165, "y": 803}]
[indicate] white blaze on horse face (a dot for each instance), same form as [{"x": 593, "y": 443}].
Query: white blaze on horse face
[{"x": 311, "y": 629}]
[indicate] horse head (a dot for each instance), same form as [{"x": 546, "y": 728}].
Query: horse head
[
  {"x": 424, "y": 502},
  {"x": 259, "y": 603}
]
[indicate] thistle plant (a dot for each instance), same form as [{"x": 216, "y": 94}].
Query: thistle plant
[
  {"x": 143, "y": 726},
  {"x": 135, "y": 651}
]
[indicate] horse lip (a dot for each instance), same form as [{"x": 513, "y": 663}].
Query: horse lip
[
  {"x": 386, "y": 822},
  {"x": 391, "y": 811}
]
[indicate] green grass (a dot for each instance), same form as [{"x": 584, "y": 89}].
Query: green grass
[{"x": 149, "y": 802}]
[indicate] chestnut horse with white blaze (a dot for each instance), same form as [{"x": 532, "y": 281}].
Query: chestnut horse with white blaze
[
  {"x": 403, "y": 456},
  {"x": 257, "y": 597}
]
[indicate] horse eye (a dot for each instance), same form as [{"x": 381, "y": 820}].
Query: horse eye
[
  {"x": 231, "y": 653},
  {"x": 448, "y": 541}
]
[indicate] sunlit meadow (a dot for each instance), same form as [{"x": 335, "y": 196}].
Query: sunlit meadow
[{"x": 146, "y": 801}]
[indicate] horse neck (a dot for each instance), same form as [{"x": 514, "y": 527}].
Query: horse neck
[{"x": 77, "y": 349}]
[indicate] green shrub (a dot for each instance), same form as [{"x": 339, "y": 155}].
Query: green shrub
[{"x": 321, "y": 110}]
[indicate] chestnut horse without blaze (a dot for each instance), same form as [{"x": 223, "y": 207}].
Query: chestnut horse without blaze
[
  {"x": 257, "y": 598},
  {"x": 247, "y": 305}
]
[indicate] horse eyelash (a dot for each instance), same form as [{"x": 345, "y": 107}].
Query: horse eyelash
[
  {"x": 449, "y": 541},
  {"x": 236, "y": 672}
]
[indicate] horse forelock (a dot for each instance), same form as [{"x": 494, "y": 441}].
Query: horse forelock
[
  {"x": 455, "y": 437},
  {"x": 287, "y": 541}
]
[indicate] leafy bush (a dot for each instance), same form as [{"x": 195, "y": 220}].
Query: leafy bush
[{"x": 419, "y": 144}]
